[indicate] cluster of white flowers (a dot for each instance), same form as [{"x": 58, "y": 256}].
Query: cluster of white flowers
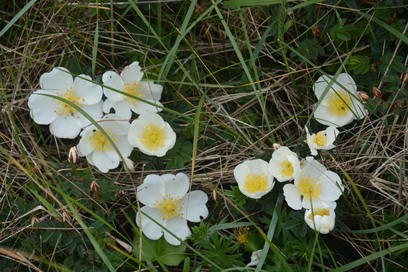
[
  {"x": 314, "y": 188},
  {"x": 71, "y": 105}
]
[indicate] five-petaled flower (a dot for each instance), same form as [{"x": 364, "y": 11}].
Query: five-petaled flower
[
  {"x": 254, "y": 178},
  {"x": 339, "y": 105},
  {"x": 95, "y": 145},
  {"x": 284, "y": 164},
  {"x": 53, "y": 103},
  {"x": 321, "y": 218},
  {"x": 168, "y": 207},
  {"x": 133, "y": 89},
  {"x": 151, "y": 134},
  {"x": 322, "y": 140},
  {"x": 313, "y": 185}
]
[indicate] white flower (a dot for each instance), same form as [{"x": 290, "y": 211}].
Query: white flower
[
  {"x": 253, "y": 178},
  {"x": 321, "y": 218},
  {"x": 64, "y": 120},
  {"x": 322, "y": 140},
  {"x": 340, "y": 105},
  {"x": 313, "y": 185},
  {"x": 96, "y": 146},
  {"x": 255, "y": 257},
  {"x": 284, "y": 164},
  {"x": 168, "y": 207},
  {"x": 129, "y": 82},
  {"x": 151, "y": 134}
]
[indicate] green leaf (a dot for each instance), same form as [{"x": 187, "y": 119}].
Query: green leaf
[
  {"x": 360, "y": 64},
  {"x": 160, "y": 250}
]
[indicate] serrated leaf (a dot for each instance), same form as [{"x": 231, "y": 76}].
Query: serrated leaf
[{"x": 391, "y": 79}]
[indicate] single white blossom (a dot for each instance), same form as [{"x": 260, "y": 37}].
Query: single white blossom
[
  {"x": 255, "y": 257},
  {"x": 313, "y": 185},
  {"x": 284, "y": 164},
  {"x": 64, "y": 120},
  {"x": 96, "y": 147},
  {"x": 129, "y": 82},
  {"x": 151, "y": 134},
  {"x": 168, "y": 207},
  {"x": 322, "y": 140},
  {"x": 321, "y": 218},
  {"x": 254, "y": 178},
  {"x": 340, "y": 105}
]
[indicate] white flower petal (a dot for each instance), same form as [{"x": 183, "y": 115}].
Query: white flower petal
[
  {"x": 151, "y": 229},
  {"x": 58, "y": 79},
  {"x": 177, "y": 226},
  {"x": 42, "y": 108},
  {"x": 346, "y": 82},
  {"x": 151, "y": 191},
  {"x": 194, "y": 208},
  {"x": 65, "y": 127},
  {"x": 323, "y": 115},
  {"x": 358, "y": 109},
  {"x": 142, "y": 107},
  {"x": 176, "y": 186},
  {"x": 132, "y": 73},
  {"x": 87, "y": 90},
  {"x": 151, "y": 90},
  {"x": 331, "y": 186},
  {"x": 94, "y": 111},
  {"x": 113, "y": 81},
  {"x": 320, "y": 86},
  {"x": 121, "y": 108},
  {"x": 292, "y": 196},
  {"x": 102, "y": 162}
]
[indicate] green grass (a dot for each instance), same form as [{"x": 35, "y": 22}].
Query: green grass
[{"x": 237, "y": 78}]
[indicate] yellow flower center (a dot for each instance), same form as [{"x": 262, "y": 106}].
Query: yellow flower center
[
  {"x": 66, "y": 109},
  {"x": 241, "y": 234},
  {"x": 286, "y": 168},
  {"x": 99, "y": 141},
  {"x": 153, "y": 137},
  {"x": 320, "y": 139},
  {"x": 170, "y": 207},
  {"x": 321, "y": 212},
  {"x": 256, "y": 183},
  {"x": 133, "y": 89},
  {"x": 309, "y": 188},
  {"x": 339, "y": 103}
]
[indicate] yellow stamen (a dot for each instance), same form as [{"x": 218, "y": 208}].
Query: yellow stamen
[
  {"x": 170, "y": 207},
  {"x": 66, "y": 109},
  {"x": 153, "y": 137},
  {"x": 286, "y": 168},
  {"x": 241, "y": 234},
  {"x": 309, "y": 188},
  {"x": 320, "y": 139},
  {"x": 133, "y": 89},
  {"x": 100, "y": 142},
  {"x": 321, "y": 212},
  {"x": 256, "y": 183},
  {"x": 339, "y": 103}
]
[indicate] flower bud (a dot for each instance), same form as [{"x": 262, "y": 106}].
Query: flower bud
[
  {"x": 377, "y": 92},
  {"x": 363, "y": 95},
  {"x": 94, "y": 187},
  {"x": 73, "y": 155}
]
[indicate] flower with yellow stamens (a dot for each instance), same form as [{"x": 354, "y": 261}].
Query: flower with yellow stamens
[
  {"x": 124, "y": 91},
  {"x": 151, "y": 134},
  {"x": 313, "y": 185},
  {"x": 97, "y": 148},
  {"x": 284, "y": 164},
  {"x": 60, "y": 95},
  {"x": 168, "y": 207},
  {"x": 340, "y": 104},
  {"x": 254, "y": 178},
  {"x": 322, "y": 140},
  {"x": 321, "y": 218}
]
